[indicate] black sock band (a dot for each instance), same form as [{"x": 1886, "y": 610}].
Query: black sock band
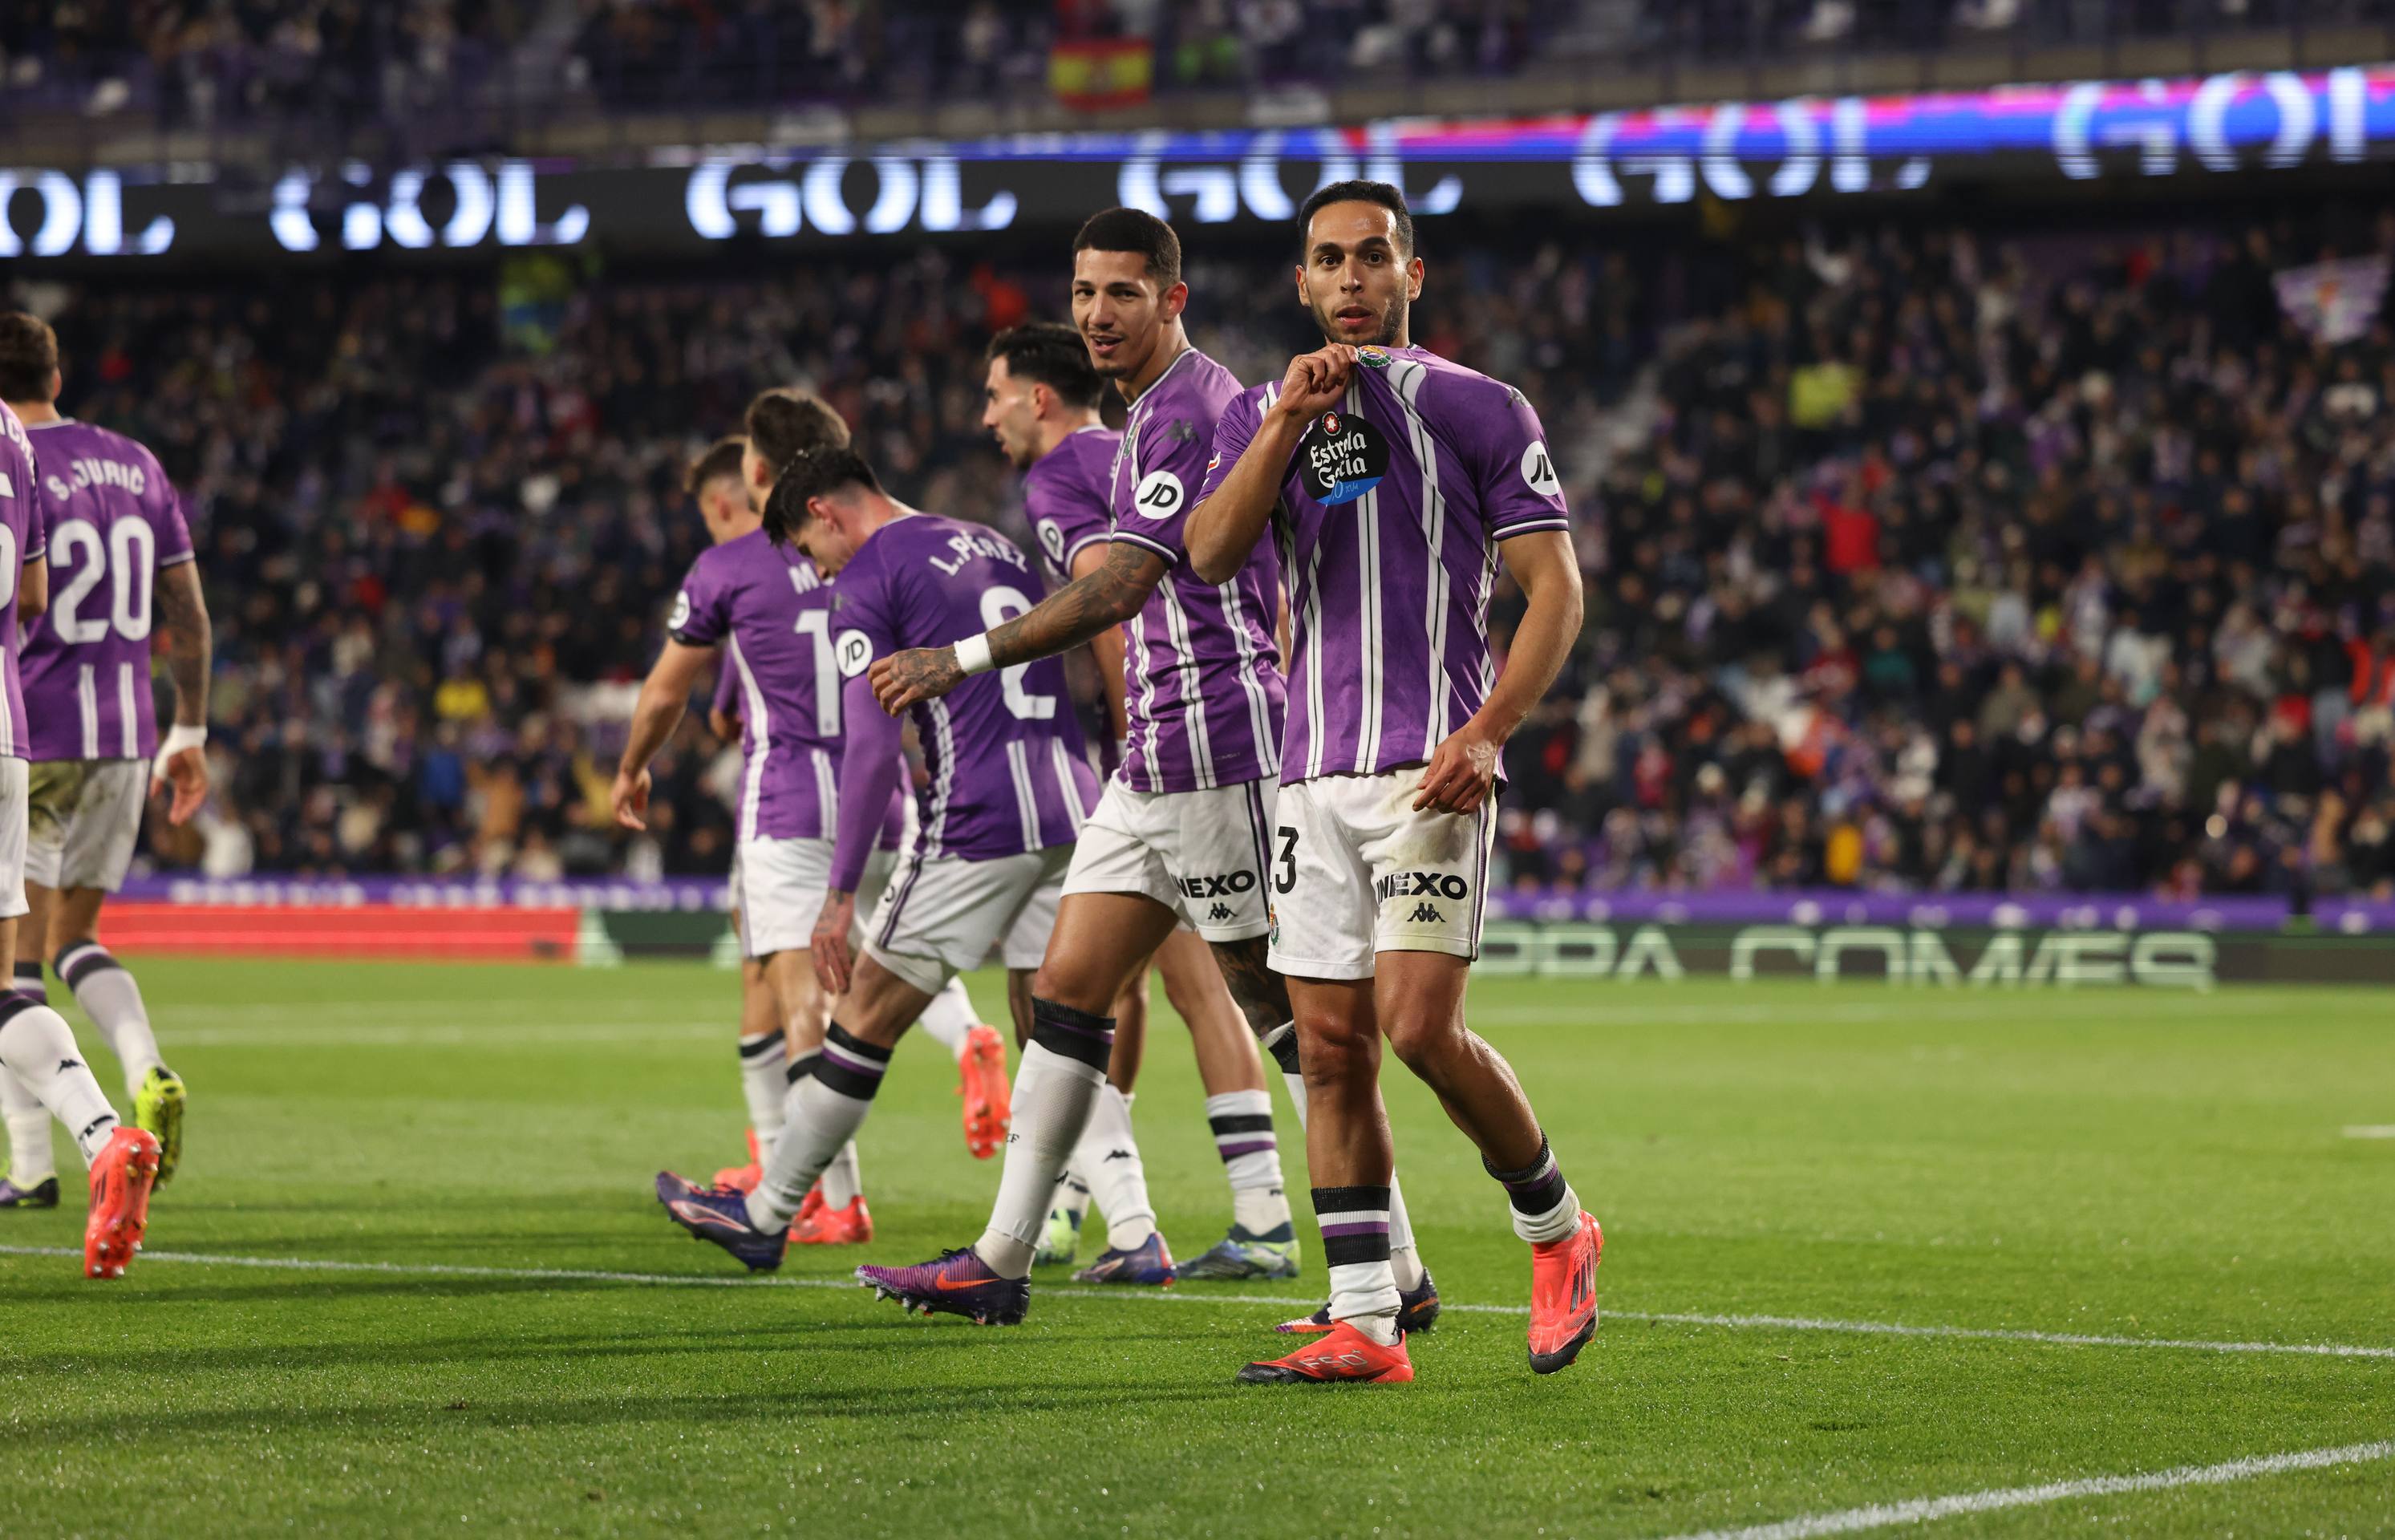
[
  {"x": 802, "y": 1067},
  {"x": 1282, "y": 1046},
  {"x": 1354, "y": 1223},
  {"x": 29, "y": 980},
  {"x": 1537, "y": 1188},
  {"x": 759, "y": 1047},
  {"x": 1074, "y": 1034},
  {"x": 81, "y": 961},
  {"x": 850, "y": 1065}
]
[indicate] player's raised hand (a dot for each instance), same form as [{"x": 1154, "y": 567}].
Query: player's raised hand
[
  {"x": 830, "y": 945},
  {"x": 1316, "y": 381},
  {"x": 902, "y": 679},
  {"x": 631, "y": 798},
  {"x": 187, "y": 771},
  {"x": 1460, "y": 772}
]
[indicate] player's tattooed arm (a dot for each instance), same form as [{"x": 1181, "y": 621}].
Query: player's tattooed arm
[
  {"x": 1463, "y": 768},
  {"x": 1262, "y": 994},
  {"x": 1223, "y": 531},
  {"x": 183, "y": 610},
  {"x": 1072, "y": 614}
]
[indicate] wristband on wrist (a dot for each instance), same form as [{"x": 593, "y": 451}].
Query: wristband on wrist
[
  {"x": 179, "y": 737},
  {"x": 972, "y": 655}
]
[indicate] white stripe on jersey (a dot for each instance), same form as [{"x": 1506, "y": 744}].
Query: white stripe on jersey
[
  {"x": 752, "y": 785},
  {"x": 88, "y": 699},
  {"x": 1251, "y": 679},
  {"x": 128, "y": 724},
  {"x": 1193, "y": 698},
  {"x": 1026, "y": 801},
  {"x": 826, "y": 793},
  {"x": 1368, "y": 609},
  {"x": 1309, "y": 641},
  {"x": 1410, "y": 377},
  {"x": 1072, "y": 796},
  {"x": 1140, "y": 739},
  {"x": 942, "y": 788}
]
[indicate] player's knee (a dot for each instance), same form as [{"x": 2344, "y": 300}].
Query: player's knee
[
  {"x": 1335, "y": 1048},
  {"x": 1422, "y": 1041},
  {"x": 1067, "y": 985}
]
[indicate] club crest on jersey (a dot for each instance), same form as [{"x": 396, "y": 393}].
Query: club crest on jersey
[
  {"x": 1346, "y": 457},
  {"x": 1372, "y": 358}
]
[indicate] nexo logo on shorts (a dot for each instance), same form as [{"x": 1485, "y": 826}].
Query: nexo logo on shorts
[{"x": 1409, "y": 884}]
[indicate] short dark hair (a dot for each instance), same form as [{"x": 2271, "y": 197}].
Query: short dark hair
[
  {"x": 1052, "y": 355},
  {"x": 1135, "y": 230},
  {"x": 1360, "y": 191},
  {"x": 813, "y": 472},
  {"x": 785, "y": 421},
  {"x": 28, "y": 356},
  {"x": 722, "y": 458}
]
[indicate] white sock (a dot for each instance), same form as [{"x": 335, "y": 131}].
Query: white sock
[
  {"x": 1053, "y": 1095},
  {"x": 37, "y": 1045},
  {"x": 842, "y": 1183},
  {"x": 30, "y": 1161},
  {"x": 823, "y": 1112},
  {"x": 1108, "y": 1157},
  {"x": 949, "y": 1017},
  {"x": 1242, "y": 1125},
  {"x": 1356, "y": 1244},
  {"x": 764, "y": 1081},
  {"x": 112, "y": 1000},
  {"x": 1543, "y": 1205}
]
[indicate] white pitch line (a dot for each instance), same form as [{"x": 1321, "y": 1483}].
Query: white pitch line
[
  {"x": 1921, "y": 1510},
  {"x": 1160, "y": 1296},
  {"x": 2370, "y": 1131}
]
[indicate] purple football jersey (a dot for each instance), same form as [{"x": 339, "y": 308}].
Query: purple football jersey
[
  {"x": 1392, "y": 511},
  {"x": 22, "y": 534},
  {"x": 1205, "y": 695},
  {"x": 115, "y": 524},
  {"x": 1065, "y": 496},
  {"x": 772, "y": 615},
  {"x": 1003, "y": 750}
]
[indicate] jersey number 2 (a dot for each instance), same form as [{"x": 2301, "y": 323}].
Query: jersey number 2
[{"x": 997, "y": 606}]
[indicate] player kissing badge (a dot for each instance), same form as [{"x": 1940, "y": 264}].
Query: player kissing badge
[{"x": 1346, "y": 457}]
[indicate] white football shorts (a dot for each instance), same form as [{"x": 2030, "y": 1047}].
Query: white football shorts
[
  {"x": 942, "y": 914},
  {"x": 1355, "y": 872},
  {"x": 778, "y": 886},
  {"x": 12, "y": 840},
  {"x": 84, "y": 819},
  {"x": 1199, "y": 854}
]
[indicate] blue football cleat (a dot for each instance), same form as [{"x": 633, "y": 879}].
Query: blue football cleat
[
  {"x": 721, "y": 1217},
  {"x": 1242, "y": 1255},
  {"x": 955, "y": 1282},
  {"x": 1148, "y": 1264}
]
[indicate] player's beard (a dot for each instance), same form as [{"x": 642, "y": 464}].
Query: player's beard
[{"x": 1391, "y": 326}]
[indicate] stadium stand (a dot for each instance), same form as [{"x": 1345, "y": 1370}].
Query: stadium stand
[{"x": 1917, "y": 560}]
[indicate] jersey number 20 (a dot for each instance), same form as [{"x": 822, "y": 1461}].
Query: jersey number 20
[{"x": 127, "y": 562}]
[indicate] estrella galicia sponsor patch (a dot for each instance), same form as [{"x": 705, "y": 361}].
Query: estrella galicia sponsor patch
[
  {"x": 1372, "y": 358},
  {"x": 1346, "y": 457},
  {"x": 854, "y": 652}
]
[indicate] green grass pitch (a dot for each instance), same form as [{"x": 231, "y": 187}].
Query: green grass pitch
[{"x": 2101, "y": 1164}]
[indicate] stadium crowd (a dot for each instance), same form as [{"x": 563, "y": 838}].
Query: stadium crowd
[{"x": 1924, "y": 562}]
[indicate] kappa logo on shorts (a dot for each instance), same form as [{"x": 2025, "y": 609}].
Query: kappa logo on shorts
[
  {"x": 1219, "y": 913},
  {"x": 1217, "y": 886},
  {"x": 1418, "y": 884},
  {"x": 1425, "y": 914}
]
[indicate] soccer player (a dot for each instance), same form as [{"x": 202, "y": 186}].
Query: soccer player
[
  {"x": 1008, "y": 791},
  {"x": 1182, "y": 831},
  {"x": 121, "y": 561},
  {"x": 36, "y": 1049},
  {"x": 1042, "y": 397},
  {"x": 1403, "y": 480},
  {"x": 768, "y": 610}
]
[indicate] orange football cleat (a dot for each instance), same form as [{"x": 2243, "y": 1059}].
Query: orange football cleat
[
  {"x": 1563, "y": 1296},
  {"x": 981, "y": 1080},
  {"x": 1341, "y": 1355},
  {"x": 120, "y": 1180},
  {"x": 826, "y": 1226},
  {"x": 743, "y": 1178}
]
